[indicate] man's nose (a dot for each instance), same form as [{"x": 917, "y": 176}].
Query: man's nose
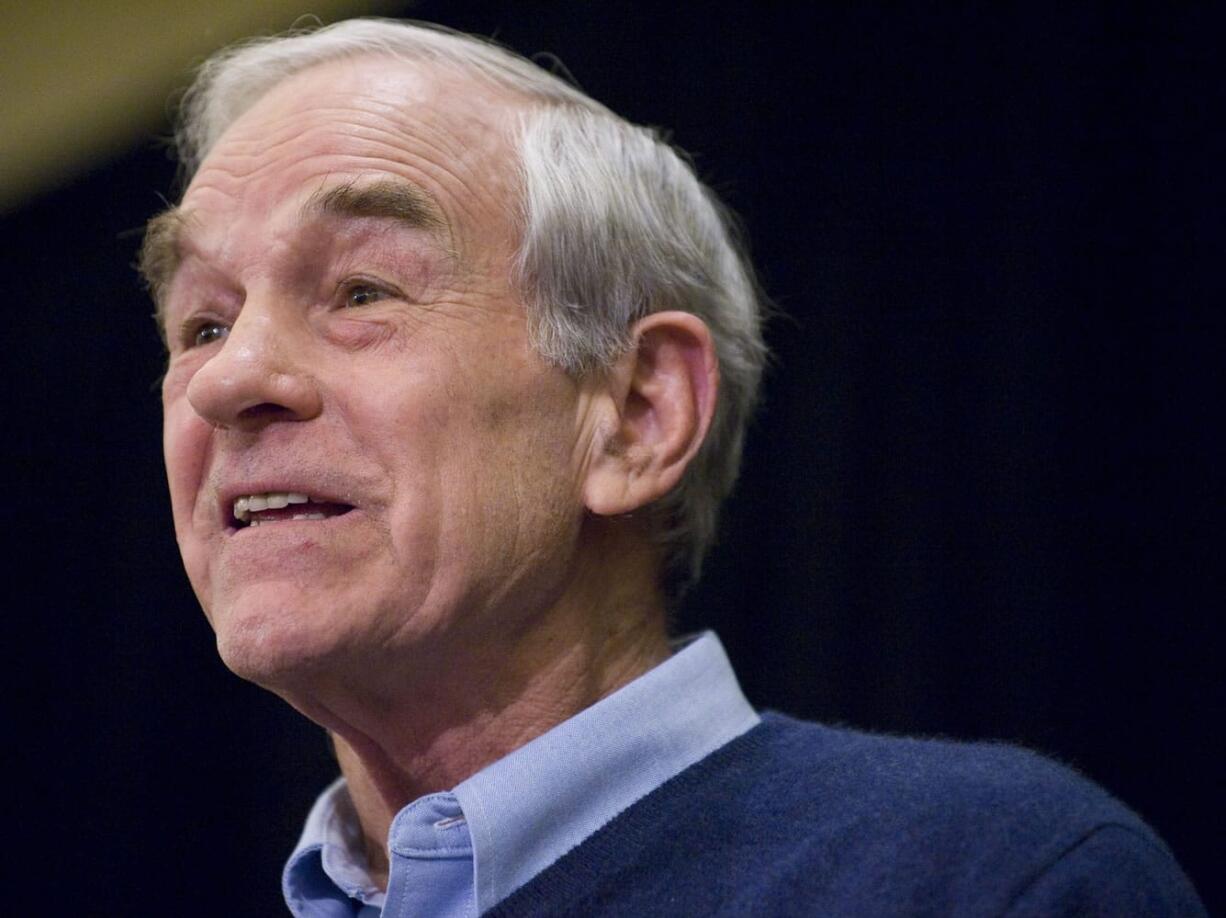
[{"x": 257, "y": 377}]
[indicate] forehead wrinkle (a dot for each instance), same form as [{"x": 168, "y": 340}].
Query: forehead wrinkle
[
  {"x": 365, "y": 141},
  {"x": 389, "y": 135},
  {"x": 251, "y": 150}
]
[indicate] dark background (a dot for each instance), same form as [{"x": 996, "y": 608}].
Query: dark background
[{"x": 982, "y": 499}]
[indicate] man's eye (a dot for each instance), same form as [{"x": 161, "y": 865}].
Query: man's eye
[
  {"x": 363, "y": 295},
  {"x": 208, "y": 332}
]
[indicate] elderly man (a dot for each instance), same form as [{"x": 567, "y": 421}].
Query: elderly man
[{"x": 459, "y": 368}]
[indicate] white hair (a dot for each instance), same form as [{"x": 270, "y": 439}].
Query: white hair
[{"x": 615, "y": 226}]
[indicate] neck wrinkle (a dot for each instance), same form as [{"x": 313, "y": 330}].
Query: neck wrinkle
[{"x": 596, "y": 641}]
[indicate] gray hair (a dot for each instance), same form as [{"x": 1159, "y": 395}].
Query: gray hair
[{"x": 615, "y": 226}]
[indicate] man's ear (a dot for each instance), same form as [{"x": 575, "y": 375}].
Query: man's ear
[{"x": 663, "y": 394}]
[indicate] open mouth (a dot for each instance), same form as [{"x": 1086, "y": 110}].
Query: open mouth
[{"x": 253, "y": 510}]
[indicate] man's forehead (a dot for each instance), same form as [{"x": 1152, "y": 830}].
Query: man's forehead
[
  {"x": 351, "y": 121},
  {"x": 338, "y": 140},
  {"x": 409, "y": 92}
]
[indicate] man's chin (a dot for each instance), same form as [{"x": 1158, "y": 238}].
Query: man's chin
[{"x": 273, "y": 647}]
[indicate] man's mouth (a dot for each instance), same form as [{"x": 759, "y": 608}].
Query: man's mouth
[{"x": 252, "y": 510}]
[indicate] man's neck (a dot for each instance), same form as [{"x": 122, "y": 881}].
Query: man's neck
[
  {"x": 479, "y": 703},
  {"x": 381, "y": 786}
]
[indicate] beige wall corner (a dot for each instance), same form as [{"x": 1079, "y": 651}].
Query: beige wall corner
[{"x": 80, "y": 81}]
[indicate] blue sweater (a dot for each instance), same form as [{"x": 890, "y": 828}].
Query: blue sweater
[{"x": 794, "y": 818}]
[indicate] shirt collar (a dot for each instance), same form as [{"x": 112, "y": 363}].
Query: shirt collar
[
  {"x": 529, "y": 808},
  {"x": 331, "y": 841}
]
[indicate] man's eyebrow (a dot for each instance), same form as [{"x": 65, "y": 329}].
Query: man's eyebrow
[
  {"x": 159, "y": 257},
  {"x": 394, "y": 200},
  {"x": 390, "y": 199}
]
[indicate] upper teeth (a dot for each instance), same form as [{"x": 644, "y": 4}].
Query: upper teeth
[{"x": 273, "y": 500}]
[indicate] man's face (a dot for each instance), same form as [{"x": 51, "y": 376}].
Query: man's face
[{"x": 341, "y": 326}]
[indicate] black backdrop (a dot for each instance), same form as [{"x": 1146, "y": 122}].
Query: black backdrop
[{"x": 981, "y": 500}]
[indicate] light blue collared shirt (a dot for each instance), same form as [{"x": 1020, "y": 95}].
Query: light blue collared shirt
[{"x": 461, "y": 852}]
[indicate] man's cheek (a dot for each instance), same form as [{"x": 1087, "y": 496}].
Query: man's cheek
[
  {"x": 185, "y": 443},
  {"x": 200, "y": 574}
]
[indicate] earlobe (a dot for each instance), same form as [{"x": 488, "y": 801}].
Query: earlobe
[{"x": 662, "y": 395}]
